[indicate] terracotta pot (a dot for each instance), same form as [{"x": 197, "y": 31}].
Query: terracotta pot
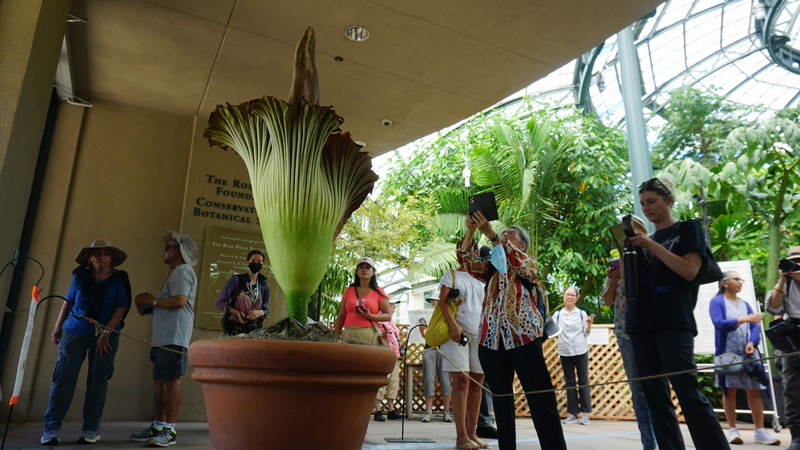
[{"x": 287, "y": 394}]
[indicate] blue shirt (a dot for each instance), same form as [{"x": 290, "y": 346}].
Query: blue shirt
[{"x": 115, "y": 294}]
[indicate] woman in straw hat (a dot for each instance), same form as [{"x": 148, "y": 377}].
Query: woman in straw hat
[{"x": 103, "y": 294}]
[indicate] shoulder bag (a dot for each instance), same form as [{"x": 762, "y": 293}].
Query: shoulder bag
[
  {"x": 725, "y": 359},
  {"x": 709, "y": 269},
  {"x": 439, "y": 330}
]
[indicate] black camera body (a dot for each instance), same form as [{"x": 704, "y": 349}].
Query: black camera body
[
  {"x": 454, "y": 293},
  {"x": 785, "y": 336},
  {"x": 788, "y": 265},
  {"x": 463, "y": 340}
]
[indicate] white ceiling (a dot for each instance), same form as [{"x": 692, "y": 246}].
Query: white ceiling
[{"x": 427, "y": 65}]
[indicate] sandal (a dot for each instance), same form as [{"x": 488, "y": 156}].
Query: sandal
[
  {"x": 481, "y": 444},
  {"x": 469, "y": 445}
]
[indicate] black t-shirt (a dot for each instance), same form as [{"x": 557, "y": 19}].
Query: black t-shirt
[{"x": 666, "y": 299}]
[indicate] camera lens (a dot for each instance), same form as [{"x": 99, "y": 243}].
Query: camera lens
[{"x": 454, "y": 293}]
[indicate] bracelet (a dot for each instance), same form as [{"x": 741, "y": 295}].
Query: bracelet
[
  {"x": 779, "y": 290},
  {"x": 155, "y": 302},
  {"x": 107, "y": 331},
  {"x": 494, "y": 238}
]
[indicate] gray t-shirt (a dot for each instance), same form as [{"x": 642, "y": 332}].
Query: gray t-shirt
[{"x": 174, "y": 326}]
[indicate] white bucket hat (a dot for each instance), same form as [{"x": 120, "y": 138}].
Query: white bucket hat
[{"x": 186, "y": 244}]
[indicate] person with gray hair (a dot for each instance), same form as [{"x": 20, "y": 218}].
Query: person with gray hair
[
  {"x": 737, "y": 330},
  {"x": 573, "y": 352},
  {"x": 173, "y": 321},
  {"x": 511, "y": 332}
]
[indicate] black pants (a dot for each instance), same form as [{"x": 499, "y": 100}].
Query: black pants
[
  {"x": 528, "y": 362},
  {"x": 665, "y": 351},
  {"x": 571, "y": 365}
]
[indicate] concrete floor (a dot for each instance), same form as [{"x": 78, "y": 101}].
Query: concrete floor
[{"x": 599, "y": 435}]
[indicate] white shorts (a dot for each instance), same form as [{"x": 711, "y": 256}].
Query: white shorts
[{"x": 463, "y": 358}]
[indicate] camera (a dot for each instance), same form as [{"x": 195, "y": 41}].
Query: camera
[
  {"x": 788, "y": 265},
  {"x": 463, "y": 340},
  {"x": 785, "y": 336},
  {"x": 454, "y": 293},
  {"x": 386, "y": 122}
]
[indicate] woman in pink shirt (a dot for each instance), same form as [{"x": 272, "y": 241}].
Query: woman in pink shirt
[{"x": 363, "y": 304}]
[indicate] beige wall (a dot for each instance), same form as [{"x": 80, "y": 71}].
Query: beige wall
[
  {"x": 127, "y": 175},
  {"x": 30, "y": 42}
]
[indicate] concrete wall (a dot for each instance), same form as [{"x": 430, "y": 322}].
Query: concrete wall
[{"x": 127, "y": 175}]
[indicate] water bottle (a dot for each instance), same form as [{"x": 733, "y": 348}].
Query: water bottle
[{"x": 630, "y": 261}]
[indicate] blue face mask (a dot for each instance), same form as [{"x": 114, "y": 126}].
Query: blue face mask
[{"x": 499, "y": 259}]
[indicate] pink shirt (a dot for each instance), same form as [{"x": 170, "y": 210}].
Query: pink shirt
[{"x": 372, "y": 302}]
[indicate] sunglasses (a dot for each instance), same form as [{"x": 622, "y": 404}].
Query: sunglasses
[{"x": 654, "y": 184}]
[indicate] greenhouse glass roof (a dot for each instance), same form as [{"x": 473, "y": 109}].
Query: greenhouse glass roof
[{"x": 746, "y": 50}]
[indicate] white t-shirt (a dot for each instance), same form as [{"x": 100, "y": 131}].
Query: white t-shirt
[
  {"x": 572, "y": 340},
  {"x": 468, "y": 316}
]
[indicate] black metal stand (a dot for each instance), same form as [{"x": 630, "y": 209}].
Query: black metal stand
[{"x": 407, "y": 411}]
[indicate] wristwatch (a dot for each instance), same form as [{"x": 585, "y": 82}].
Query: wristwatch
[
  {"x": 494, "y": 238},
  {"x": 155, "y": 302},
  {"x": 107, "y": 331}
]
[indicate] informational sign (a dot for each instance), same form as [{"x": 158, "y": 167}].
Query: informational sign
[
  {"x": 224, "y": 255},
  {"x": 598, "y": 336},
  {"x": 704, "y": 341}
]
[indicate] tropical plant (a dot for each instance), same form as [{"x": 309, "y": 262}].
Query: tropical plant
[{"x": 307, "y": 176}]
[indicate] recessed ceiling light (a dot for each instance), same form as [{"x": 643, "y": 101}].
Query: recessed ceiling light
[{"x": 356, "y": 33}]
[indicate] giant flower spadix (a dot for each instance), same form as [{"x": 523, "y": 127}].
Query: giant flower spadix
[{"x": 307, "y": 177}]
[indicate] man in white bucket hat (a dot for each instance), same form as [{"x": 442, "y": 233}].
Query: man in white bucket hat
[{"x": 173, "y": 321}]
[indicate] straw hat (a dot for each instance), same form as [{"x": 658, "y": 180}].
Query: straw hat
[{"x": 117, "y": 256}]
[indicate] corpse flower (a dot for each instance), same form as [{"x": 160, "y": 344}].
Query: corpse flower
[{"x": 307, "y": 176}]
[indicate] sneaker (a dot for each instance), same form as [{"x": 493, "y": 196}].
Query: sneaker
[
  {"x": 394, "y": 415},
  {"x": 88, "y": 437},
  {"x": 584, "y": 420},
  {"x": 50, "y": 437},
  {"x": 734, "y": 437},
  {"x": 447, "y": 417},
  {"x": 428, "y": 416},
  {"x": 762, "y": 437},
  {"x": 379, "y": 417},
  {"x": 146, "y": 435},
  {"x": 572, "y": 419},
  {"x": 166, "y": 438}
]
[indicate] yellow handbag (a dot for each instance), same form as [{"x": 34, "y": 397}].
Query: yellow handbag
[{"x": 438, "y": 329}]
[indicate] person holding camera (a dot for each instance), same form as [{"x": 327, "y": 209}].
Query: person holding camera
[
  {"x": 512, "y": 331},
  {"x": 573, "y": 352},
  {"x": 461, "y": 351},
  {"x": 363, "y": 304},
  {"x": 245, "y": 298},
  {"x": 784, "y": 299},
  {"x": 660, "y": 320}
]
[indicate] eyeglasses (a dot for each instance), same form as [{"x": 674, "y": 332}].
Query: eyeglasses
[
  {"x": 167, "y": 247},
  {"x": 740, "y": 280},
  {"x": 510, "y": 232},
  {"x": 654, "y": 184},
  {"x": 570, "y": 295}
]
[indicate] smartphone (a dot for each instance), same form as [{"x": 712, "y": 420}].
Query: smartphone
[
  {"x": 464, "y": 340},
  {"x": 614, "y": 264},
  {"x": 422, "y": 321}
]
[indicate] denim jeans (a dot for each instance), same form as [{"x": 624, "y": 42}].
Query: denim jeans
[
  {"x": 72, "y": 350},
  {"x": 529, "y": 364},
  {"x": 640, "y": 407},
  {"x": 571, "y": 365},
  {"x": 666, "y": 351}
]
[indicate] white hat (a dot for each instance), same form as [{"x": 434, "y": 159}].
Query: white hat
[
  {"x": 367, "y": 260},
  {"x": 188, "y": 249},
  {"x": 394, "y": 300}
]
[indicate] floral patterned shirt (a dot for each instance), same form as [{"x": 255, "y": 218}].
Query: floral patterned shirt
[
  {"x": 509, "y": 318},
  {"x": 393, "y": 333},
  {"x": 620, "y": 305}
]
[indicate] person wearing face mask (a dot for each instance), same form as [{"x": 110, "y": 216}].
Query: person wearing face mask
[{"x": 245, "y": 298}]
